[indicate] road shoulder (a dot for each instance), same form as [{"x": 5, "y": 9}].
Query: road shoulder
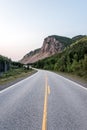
[
  {"x": 73, "y": 78},
  {"x": 8, "y": 84}
]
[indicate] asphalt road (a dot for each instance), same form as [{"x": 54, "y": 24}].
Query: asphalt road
[{"x": 44, "y": 101}]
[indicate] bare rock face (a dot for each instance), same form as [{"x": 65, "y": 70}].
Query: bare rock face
[{"x": 50, "y": 47}]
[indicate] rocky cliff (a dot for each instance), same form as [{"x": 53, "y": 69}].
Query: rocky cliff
[{"x": 51, "y": 45}]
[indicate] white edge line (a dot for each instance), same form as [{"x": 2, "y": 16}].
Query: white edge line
[
  {"x": 9, "y": 87},
  {"x": 73, "y": 82}
]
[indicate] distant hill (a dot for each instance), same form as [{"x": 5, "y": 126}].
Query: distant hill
[
  {"x": 73, "y": 59},
  {"x": 65, "y": 40},
  {"x": 51, "y": 45},
  {"x": 76, "y": 38}
]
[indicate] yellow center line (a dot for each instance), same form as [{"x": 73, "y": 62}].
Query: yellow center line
[{"x": 47, "y": 91}]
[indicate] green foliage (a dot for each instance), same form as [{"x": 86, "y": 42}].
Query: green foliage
[
  {"x": 14, "y": 72},
  {"x": 4, "y": 64},
  {"x": 77, "y": 38},
  {"x": 66, "y": 41},
  {"x": 2, "y": 58},
  {"x": 72, "y": 59},
  {"x": 15, "y": 65},
  {"x": 84, "y": 62},
  {"x": 75, "y": 66}
]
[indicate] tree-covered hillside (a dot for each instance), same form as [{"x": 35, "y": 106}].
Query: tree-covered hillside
[
  {"x": 73, "y": 59},
  {"x": 76, "y": 38},
  {"x": 65, "y": 40}
]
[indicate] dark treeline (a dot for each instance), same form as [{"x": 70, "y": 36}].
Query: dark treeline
[
  {"x": 72, "y": 60},
  {"x": 15, "y": 65},
  {"x": 4, "y": 64},
  {"x": 7, "y": 64}
]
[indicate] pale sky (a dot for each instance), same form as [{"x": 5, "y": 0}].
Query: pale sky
[{"x": 25, "y": 23}]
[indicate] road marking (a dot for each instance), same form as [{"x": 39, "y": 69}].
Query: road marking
[
  {"x": 47, "y": 91},
  {"x": 18, "y": 83},
  {"x": 73, "y": 82}
]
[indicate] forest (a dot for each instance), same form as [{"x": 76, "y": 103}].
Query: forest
[
  {"x": 7, "y": 64},
  {"x": 72, "y": 60},
  {"x": 4, "y": 64}
]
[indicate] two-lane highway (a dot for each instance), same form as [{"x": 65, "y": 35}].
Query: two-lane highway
[{"x": 44, "y": 101}]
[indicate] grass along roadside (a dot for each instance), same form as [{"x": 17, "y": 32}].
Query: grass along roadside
[{"x": 15, "y": 74}]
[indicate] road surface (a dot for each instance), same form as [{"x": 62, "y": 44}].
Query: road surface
[{"x": 44, "y": 101}]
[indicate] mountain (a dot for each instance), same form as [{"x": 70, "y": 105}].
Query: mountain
[
  {"x": 77, "y": 38},
  {"x": 51, "y": 45},
  {"x": 73, "y": 59}
]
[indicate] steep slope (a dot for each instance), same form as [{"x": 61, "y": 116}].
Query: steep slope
[
  {"x": 73, "y": 59},
  {"x": 77, "y": 38},
  {"x": 51, "y": 45}
]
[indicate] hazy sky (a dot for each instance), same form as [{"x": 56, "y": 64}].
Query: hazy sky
[{"x": 25, "y": 23}]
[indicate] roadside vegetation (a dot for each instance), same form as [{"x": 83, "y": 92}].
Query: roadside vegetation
[
  {"x": 14, "y": 74},
  {"x": 4, "y": 64},
  {"x": 11, "y": 71},
  {"x": 72, "y": 60}
]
